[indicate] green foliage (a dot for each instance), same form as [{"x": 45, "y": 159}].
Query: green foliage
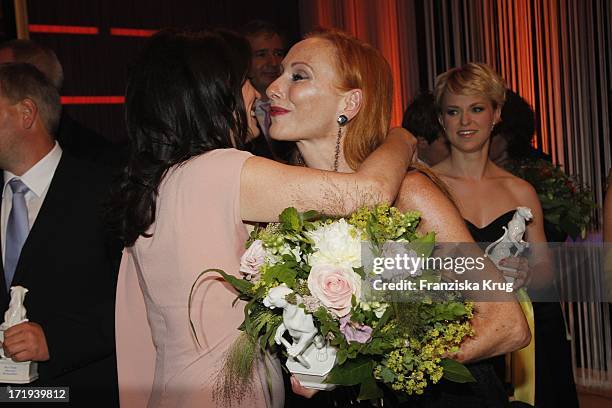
[
  {"x": 567, "y": 204},
  {"x": 328, "y": 326},
  {"x": 384, "y": 223},
  {"x": 242, "y": 286},
  {"x": 456, "y": 372},
  {"x": 236, "y": 378},
  {"x": 369, "y": 390},
  {"x": 423, "y": 246},
  {"x": 290, "y": 219},
  {"x": 283, "y": 272},
  {"x": 443, "y": 311}
]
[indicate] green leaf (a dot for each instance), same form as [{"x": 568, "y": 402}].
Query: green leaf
[
  {"x": 424, "y": 245},
  {"x": 359, "y": 271},
  {"x": 310, "y": 215},
  {"x": 352, "y": 372},
  {"x": 241, "y": 285},
  {"x": 369, "y": 390},
  {"x": 456, "y": 372},
  {"x": 327, "y": 323},
  {"x": 383, "y": 320},
  {"x": 282, "y": 272},
  {"x": 387, "y": 375},
  {"x": 290, "y": 219}
]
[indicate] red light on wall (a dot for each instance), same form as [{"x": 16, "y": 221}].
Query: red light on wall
[
  {"x": 132, "y": 32},
  {"x": 92, "y": 100},
  {"x": 61, "y": 29}
]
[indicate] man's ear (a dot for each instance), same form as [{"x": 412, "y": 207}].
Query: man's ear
[
  {"x": 28, "y": 112},
  {"x": 352, "y": 103}
]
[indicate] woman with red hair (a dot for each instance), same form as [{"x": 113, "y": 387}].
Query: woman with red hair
[{"x": 333, "y": 99}]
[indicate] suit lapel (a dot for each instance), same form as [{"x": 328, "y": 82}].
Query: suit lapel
[
  {"x": 55, "y": 208},
  {"x": 4, "y": 297}
]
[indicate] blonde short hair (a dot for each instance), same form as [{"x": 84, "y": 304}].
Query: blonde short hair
[{"x": 474, "y": 78}]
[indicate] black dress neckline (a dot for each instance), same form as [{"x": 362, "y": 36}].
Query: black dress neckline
[
  {"x": 492, "y": 222},
  {"x": 493, "y": 230}
]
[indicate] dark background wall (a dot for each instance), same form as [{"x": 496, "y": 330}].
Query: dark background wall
[{"x": 96, "y": 65}]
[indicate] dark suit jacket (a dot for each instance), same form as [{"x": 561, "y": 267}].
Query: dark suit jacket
[
  {"x": 85, "y": 144},
  {"x": 69, "y": 265}
]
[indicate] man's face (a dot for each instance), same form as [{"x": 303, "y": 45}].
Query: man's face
[
  {"x": 433, "y": 153},
  {"x": 9, "y": 131},
  {"x": 268, "y": 52}
]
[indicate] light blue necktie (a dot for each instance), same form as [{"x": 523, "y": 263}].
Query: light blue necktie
[{"x": 17, "y": 229}]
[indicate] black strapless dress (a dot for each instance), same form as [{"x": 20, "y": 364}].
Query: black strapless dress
[{"x": 555, "y": 385}]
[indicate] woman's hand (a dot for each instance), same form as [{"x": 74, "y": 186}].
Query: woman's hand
[
  {"x": 297, "y": 388},
  {"x": 520, "y": 273}
]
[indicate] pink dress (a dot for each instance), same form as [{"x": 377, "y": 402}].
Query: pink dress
[{"x": 197, "y": 226}]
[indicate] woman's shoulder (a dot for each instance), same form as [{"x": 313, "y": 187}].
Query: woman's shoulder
[
  {"x": 229, "y": 154},
  {"x": 418, "y": 189},
  {"x": 212, "y": 167},
  {"x": 417, "y": 183},
  {"x": 219, "y": 159},
  {"x": 516, "y": 184},
  {"x": 519, "y": 188}
]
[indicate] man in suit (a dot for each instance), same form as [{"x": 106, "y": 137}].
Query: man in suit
[
  {"x": 268, "y": 49},
  {"x": 73, "y": 137},
  {"x": 54, "y": 244}
]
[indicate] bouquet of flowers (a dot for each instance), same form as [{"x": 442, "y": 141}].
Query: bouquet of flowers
[
  {"x": 305, "y": 276},
  {"x": 567, "y": 204}
]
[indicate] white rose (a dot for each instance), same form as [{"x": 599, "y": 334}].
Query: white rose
[{"x": 336, "y": 244}]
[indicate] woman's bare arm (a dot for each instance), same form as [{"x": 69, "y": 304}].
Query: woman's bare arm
[
  {"x": 267, "y": 187},
  {"x": 500, "y": 327},
  {"x": 538, "y": 263}
]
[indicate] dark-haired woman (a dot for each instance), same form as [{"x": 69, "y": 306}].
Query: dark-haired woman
[{"x": 185, "y": 192}]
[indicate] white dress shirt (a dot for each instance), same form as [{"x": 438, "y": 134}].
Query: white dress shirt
[{"x": 37, "y": 179}]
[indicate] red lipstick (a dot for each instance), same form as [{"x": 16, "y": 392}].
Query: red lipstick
[{"x": 276, "y": 110}]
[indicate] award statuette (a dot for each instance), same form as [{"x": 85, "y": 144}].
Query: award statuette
[
  {"x": 14, "y": 372},
  {"x": 522, "y": 362},
  {"x": 308, "y": 357}
]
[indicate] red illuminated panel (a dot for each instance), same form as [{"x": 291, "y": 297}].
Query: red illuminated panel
[
  {"x": 132, "y": 32},
  {"x": 92, "y": 100},
  {"x": 61, "y": 29}
]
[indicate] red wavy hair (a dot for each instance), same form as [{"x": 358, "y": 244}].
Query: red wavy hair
[{"x": 361, "y": 66}]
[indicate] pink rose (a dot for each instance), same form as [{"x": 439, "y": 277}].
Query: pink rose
[
  {"x": 334, "y": 286},
  {"x": 252, "y": 259},
  {"x": 355, "y": 331}
]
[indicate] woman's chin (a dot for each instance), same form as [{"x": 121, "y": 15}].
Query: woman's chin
[{"x": 277, "y": 135}]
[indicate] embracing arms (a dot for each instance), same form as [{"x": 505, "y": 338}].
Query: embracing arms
[{"x": 267, "y": 187}]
